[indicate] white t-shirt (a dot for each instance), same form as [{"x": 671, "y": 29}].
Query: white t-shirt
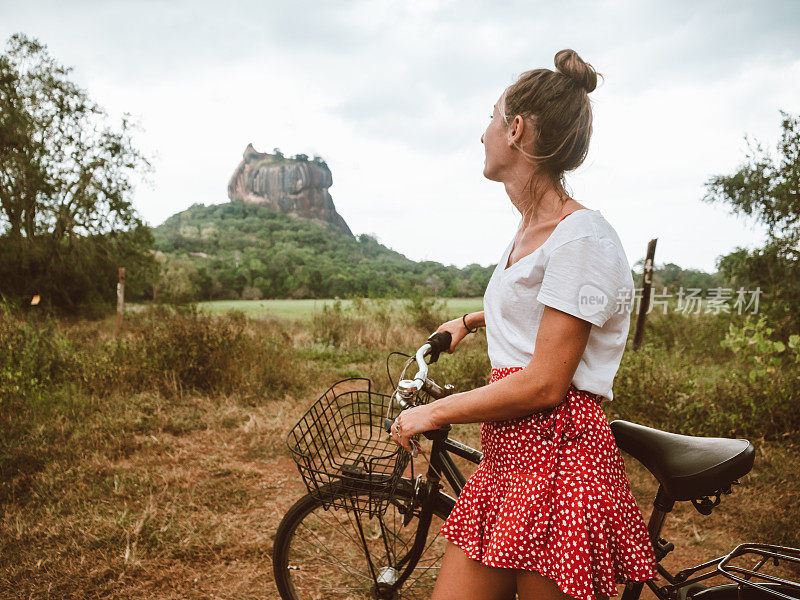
[{"x": 581, "y": 269}]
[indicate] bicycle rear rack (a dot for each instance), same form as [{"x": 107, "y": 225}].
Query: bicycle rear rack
[
  {"x": 765, "y": 552},
  {"x": 769, "y": 584}
]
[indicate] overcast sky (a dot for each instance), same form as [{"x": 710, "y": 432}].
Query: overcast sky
[{"x": 395, "y": 96}]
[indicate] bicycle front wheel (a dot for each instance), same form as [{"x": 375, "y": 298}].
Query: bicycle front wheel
[{"x": 337, "y": 553}]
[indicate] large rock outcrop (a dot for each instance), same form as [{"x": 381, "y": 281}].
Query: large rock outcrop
[{"x": 295, "y": 186}]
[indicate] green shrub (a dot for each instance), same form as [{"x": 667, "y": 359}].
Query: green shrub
[
  {"x": 425, "y": 313},
  {"x": 172, "y": 349},
  {"x": 332, "y": 324},
  {"x": 709, "y": 387},
  {"x": 31, "y": 356},
  {"x": 751, "y": 344}
]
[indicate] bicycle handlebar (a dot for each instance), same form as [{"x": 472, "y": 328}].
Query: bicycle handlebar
[{"x": 437, "y": 343}]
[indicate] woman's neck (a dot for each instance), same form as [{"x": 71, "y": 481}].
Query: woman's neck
[{"x": 538, "y": 208}]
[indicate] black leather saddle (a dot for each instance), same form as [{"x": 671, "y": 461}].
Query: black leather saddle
[{"x": 686, "y": 467}]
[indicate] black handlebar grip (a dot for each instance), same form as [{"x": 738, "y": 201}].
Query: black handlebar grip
[{"x": 440, "y": 342}]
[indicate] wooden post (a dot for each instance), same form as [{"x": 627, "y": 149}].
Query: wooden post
[
  {"x": 120, "y": 300},
  {"x": 647, "y": 282}
]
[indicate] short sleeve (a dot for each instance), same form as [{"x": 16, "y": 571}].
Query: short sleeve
[{"x": 583, "y": 277}]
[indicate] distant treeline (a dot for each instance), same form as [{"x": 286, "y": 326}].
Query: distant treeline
[{"x": 243, "y": 250}]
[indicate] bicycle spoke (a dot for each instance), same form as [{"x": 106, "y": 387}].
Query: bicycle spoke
[
  {"x": 342, "y": 554},
  {"x": 340, "y": 524},
  {"x": 434, "y": 560},
  {"x": 364, "y": 546},
  {"x": 337, "y": 562}
]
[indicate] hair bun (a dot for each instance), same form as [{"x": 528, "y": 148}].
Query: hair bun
[{"x": 573, "y": 66}]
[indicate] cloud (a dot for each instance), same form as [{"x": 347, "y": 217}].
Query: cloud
[{"x": 395, "y": 96}]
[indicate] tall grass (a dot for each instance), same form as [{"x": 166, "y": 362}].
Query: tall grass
[{"x": 54, "y": 380}]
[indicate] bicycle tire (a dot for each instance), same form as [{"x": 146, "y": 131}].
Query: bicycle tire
[
  {"x": 730, "y": 591},
  {"x": 327, "y": 560}
]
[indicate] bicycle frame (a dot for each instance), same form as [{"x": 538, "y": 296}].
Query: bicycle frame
[
  {"x": 440, "y": 463},
  {"x": 688, "y": 578}
]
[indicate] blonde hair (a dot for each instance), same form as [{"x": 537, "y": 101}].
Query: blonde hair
[{"x": 557, "y": 104}]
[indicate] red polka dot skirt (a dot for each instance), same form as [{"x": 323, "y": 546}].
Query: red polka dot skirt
[{"x": 551, "y": 495}]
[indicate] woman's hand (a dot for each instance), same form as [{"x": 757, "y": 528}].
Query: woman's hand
[
  {"x": 409, "y": 423},
  {"x": 457, "y": 332}
]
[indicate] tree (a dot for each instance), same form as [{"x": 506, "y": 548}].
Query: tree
[
  {"x": 65, "y": 179},
  {"x": 178, "y": 281},
  {"x": 768, "y": 190}
]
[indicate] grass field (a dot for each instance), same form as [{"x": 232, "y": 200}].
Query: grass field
[{"x": 304, "y": 309}]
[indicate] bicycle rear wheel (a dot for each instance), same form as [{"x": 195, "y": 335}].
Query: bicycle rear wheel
[{"x": 319, "y": 553}]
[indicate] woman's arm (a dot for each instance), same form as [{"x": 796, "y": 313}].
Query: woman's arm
[
  {"x": 476, "y": 319},
  {"x": 456, "y": 327},
  {"x": 542, "y": 384}
]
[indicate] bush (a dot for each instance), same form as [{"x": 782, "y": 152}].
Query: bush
[
  {"x": 30, "y": 357},
  {"x": 163, "y": 349},
  {"x": 252, "y": 293},
  {"x": 752, "y": 345},
  {"x": 171, "y": 349},
  {"x": 332, "y": 324},
  {"x": 739, "y": 383},
  {"x": 425, "y": 313}
]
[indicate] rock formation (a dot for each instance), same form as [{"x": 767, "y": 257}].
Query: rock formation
[{"x": 295, "y": 186}]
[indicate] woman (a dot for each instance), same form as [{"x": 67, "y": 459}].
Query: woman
[{"x": 548, "y": 513}]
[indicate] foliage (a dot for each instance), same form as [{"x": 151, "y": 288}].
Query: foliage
[
  {"x": 177, "y": 279},
  {"x": 30, "y": 358},
  {"x": 769, "y": 191},
  {"x": 365, "y": 324},
  {"x": 332, "y": 324},
  {"x": 686, "y": 379},
  {"x": 225, "y": 251},
  {"x": 230, "y": 248},
  {"x": 164, "y": 349},
  {"x": 173, "y": 349},
  {"x": 671, "y": 277},
  {"x": 425, "y": 313},
  {"x": 129, "y": 441},
  {"x": 65, "y": 176},
  {"x": 751, "y": 343}
]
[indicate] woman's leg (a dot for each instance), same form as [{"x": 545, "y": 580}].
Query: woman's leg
[
  {"x": 461, "y": 578},
  {"x": 535, "y": 586}
]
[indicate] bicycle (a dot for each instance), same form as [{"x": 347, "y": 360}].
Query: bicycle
[{"x": 368, "y": 529}]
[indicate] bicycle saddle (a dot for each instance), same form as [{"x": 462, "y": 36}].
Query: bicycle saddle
[{"x": 687, "y": 467}]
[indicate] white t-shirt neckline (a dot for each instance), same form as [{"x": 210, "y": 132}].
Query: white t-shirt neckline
[{"x": 510, "y": 247}]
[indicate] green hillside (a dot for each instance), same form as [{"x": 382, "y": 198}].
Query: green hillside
[{"x": 243, "y": 250}]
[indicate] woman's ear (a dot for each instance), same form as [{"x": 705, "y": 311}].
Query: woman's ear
[{"x": 516, "y": 127}]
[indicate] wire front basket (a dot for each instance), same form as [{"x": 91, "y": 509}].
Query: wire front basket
[{"x": 342, "y": 451}]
